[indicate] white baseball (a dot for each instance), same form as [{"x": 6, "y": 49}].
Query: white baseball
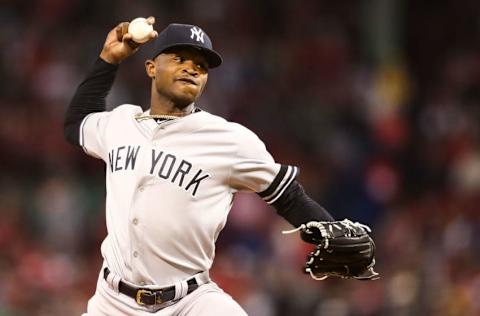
[{"x": 140, "y": 29}]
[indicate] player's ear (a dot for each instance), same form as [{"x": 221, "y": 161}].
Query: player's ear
[{"x": 150, "y": 68}]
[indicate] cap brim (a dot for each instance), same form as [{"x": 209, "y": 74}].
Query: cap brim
[{"x": 213, "y": 58}]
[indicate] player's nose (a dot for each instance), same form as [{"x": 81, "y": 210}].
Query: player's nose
[{"x": 191, "y": 68}]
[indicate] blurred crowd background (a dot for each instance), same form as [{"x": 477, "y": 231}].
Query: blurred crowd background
[{"x": 377, "y": 101}]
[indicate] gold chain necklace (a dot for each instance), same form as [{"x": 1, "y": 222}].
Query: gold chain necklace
[{"x": 171, "y": 116}]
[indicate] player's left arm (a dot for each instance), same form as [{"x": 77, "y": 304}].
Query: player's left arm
[
  {"x": 343, "y": 248},
  {"x": 295, "y": 206}
]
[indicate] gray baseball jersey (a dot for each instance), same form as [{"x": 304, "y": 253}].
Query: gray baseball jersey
[{"x": 170, "y": 187}]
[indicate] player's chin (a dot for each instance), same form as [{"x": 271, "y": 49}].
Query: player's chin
[
  {"x": 186, "y": 96},
  {"x": 184, "y": 99}
]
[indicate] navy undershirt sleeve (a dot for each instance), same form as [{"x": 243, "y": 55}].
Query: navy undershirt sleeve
[
  {"x": 298, "y": 208},
  {"x": 89, "y": 98}
]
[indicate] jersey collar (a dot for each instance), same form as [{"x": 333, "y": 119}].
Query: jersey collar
[
  {"x": 150, "y": 126},
  {"x": 146, "y": 122}
]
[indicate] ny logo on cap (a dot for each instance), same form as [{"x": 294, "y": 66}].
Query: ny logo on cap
[{"x": 198, "y": 33}]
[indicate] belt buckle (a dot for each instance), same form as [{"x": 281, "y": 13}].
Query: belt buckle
[{"x": 142, "y": 292}]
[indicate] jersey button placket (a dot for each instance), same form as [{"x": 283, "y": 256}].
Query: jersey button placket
[
  {"x": 135, "y": 222},
  {"x": 137, "y": 229},
  {"x": 160, "y": 132}
]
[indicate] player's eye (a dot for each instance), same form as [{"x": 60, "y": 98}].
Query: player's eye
[
  {"x": 202, "y": 66},
  {"x": 179, "y": 59}
]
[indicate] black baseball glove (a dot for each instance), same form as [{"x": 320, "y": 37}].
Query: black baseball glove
[{"x": 343, "y": 249}]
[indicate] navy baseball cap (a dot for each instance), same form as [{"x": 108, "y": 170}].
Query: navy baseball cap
[{"x": 178, "y": 35}]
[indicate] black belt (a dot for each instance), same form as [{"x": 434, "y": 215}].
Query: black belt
[{"x": 144, "y": 296}]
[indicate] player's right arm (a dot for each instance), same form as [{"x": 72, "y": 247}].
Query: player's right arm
[{"x": 90, "y": 95}]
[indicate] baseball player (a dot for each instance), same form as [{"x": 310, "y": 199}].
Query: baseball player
[{"x": 171, "y": 175}]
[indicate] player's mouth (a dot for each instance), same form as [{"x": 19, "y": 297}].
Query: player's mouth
[{"x": 187, "y": 80}]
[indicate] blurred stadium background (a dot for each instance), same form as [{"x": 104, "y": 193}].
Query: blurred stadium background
[{"x": 378, "y": 102}]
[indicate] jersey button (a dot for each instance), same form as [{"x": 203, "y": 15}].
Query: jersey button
[
  {"x": 135, "y": 254},
  {"x": 141, "y": 189},
  {"x": 135, "y": 221}
]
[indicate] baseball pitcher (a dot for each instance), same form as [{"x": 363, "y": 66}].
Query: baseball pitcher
[{"x": 171, "y": 175}]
